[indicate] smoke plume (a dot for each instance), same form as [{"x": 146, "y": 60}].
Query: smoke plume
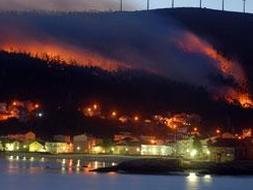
[{"x": 59, "y": 5}]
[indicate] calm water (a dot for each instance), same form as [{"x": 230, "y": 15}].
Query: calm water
[{"x": 32, "y": 174}]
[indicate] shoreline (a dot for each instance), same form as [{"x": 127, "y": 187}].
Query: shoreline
[
  {"x": 150, "y": 165},
  {"x": 177, "y": 167},
  {"x": 87, "y": 157}
]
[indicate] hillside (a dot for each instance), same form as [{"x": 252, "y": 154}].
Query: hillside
[{"x": 62, "y": 89}]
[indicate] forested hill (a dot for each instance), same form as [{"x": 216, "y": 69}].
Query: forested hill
[
  {"x": 131, "y": 91},
  {"x": 70, "y": 87}
]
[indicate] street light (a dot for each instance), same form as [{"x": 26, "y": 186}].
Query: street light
[
  {"x": 193, "y": 153},
  {"x": 40, "y": 114},
  {"x": 95, "y": 106},
  {"x": 114, "y": 114},
  {"x": 14, "y": 103},
  {"x": 136, "y": 118}
]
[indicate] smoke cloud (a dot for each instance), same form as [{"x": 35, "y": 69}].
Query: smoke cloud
[{"x": 59, "y": 5}]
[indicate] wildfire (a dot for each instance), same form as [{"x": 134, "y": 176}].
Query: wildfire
[
  {"x": 236, "y": 97},
  {"x": 192, "y": 44},
  {"x": 64, "y": 52}
]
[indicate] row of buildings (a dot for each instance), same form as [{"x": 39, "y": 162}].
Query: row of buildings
[{"x": 221, "y": 148}]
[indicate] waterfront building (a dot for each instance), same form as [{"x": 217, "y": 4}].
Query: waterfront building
[
  {"x": 62, "y": 138},
  {"x": 79, "y": 142},
  {"x": 156, "y": 150},
  {"x": 184, "y": 148},
  {"x": 85, "y": 144},
  {"x": 12, "y": 146},
  {"x": 126, "y": 149},
  {"x": 223, "y": 150},
  {"x": 98, "y": 149},
  {"x": 1, "y": 146},
  {"x": 58, "y": 147},
  {"x": 36, "y": 147}
]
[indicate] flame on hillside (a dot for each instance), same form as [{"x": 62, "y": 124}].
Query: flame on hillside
[
  {"x": 192, "y": 44},
  {"x": 188, "y": 42},
  {"x": 68, "y": 54}
]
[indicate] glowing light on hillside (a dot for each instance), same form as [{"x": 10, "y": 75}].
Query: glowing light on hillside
[
  {"x": 114, "y": 114},
  {"x": 95, "y": 106},
  {"x": 136, "y": 118},
  {"x": 40, "y": 114}
]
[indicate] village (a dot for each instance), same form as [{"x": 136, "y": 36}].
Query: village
[
  {"x": 184, "y": 139},
  {"x": 221, "y": 148}
]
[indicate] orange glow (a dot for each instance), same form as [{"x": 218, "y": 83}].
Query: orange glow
[
  {"x": 89, "y": 109},
  {"x": 13, "y": 109},
  {"x": 193, "y": 44},
  {"x": 50, "y": 49},
  {"x": 218, "y": 131},
  {"x": 136, "y": 118},
  {"x": 114, "y": 114},
  {"x": 37, "y": 106},
  {"x": 95, "y": 106},
  {"x": 195, "y": 129}
]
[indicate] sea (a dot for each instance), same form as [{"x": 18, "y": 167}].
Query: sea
[{"x": 21, "y": 173}]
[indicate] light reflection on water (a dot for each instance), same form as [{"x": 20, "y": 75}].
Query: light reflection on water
[
  {"x": 17, "y": 164},
  {"x": 65, "y": 174}
]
